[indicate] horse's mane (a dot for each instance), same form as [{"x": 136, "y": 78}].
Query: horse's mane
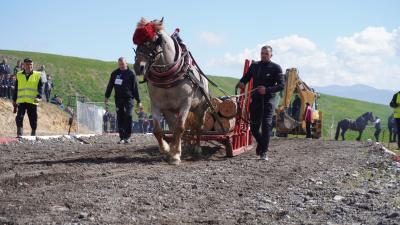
[
  {"x": 142, "y": 22},
  {"x": 367, "y": 113},
  {"x": 156, "y": 24}
]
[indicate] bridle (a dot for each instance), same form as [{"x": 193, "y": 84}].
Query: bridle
[{"x": 149, "y": 50}]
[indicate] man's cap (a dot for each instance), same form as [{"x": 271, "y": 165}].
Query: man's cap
[{"x": 28, "y": 60}]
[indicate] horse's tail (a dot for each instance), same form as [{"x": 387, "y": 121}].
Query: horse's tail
[{"x": 337, "y": 130}]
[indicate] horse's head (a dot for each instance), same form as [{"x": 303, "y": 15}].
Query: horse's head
[
  {"x": 148, "y": 39},
  {"x": 369, "y": 116}
]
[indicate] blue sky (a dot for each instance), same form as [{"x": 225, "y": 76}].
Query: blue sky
[{"x": 220, "y": 33}]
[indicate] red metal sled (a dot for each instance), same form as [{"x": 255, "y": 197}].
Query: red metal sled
[{"x": 239, "y": 140}]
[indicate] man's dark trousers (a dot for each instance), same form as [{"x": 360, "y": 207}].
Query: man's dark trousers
[
  {"x": 31, "y": 109},
  {"x": 261, "y": 112},
  {"x": 124, "y": 116},
  {"x": 308, "y": 130},
  {"x": 398, "y": 132}
]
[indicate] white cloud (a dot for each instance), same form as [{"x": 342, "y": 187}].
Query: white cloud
[
  {"x": 369, "y": 57},
  {"x": 211, "y": 38},
  {"x": 372, "y": 40}
]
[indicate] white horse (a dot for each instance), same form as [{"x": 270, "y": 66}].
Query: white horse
[{"x": 171, "y": 79}]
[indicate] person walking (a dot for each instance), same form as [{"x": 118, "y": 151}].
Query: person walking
[
  {"x": 49, "y": 85},
  {"x": 378, "y": 128},
  {"x": 395, "y": 104},
  {"x": 43, "y": 75},
  {"x": 123, "y": 81},
  {"x": 141, "y": 118},
  {"x": 268, "y": 79},
  {"x": 27, "y": 95},
  {"x": 106, "y": 120},
  {"x": 296, "y": 105}
]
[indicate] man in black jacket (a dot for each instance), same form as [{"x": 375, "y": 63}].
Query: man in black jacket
[
  {"x": 124, "y": 82},
  {"x": 267, "y": 79},
  {"x": 395, "y": 104}
]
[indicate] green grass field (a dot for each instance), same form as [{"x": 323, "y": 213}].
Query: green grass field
[{"x": 88, "y": 77}]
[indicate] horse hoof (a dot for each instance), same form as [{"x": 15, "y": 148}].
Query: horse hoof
[
  {"x": 173, "y": 161},
  {"x": 197, "y": 150}
]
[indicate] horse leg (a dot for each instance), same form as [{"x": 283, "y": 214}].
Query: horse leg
[
  {"x": 200, "y": 117},
  {"x": 170, "y": 117},
  {"x": 343, "y": 133},
  {"x": 179, "y": 128},
  {"x": 359, "y": 135},
  {"x": 158, "y": 132}
]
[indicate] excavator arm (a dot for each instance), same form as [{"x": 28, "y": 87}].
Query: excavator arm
[{"x": 293, "y": 84}]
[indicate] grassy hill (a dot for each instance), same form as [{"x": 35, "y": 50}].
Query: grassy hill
[
  {"x": 88, "y": 77},
  {"x": 337, "y": 108}
]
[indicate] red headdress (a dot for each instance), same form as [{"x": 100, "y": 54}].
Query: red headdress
[{"x": 143, "y": 34}]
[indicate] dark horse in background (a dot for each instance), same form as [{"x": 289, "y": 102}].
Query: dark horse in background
[{"x": 358, "y": 125}]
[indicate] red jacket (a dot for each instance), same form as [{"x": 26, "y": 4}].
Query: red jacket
[{"x": 308, "y": 114}]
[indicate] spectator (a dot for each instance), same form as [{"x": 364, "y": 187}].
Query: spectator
[
  {"x": 12, "y": 85},
  {"x": 146, "y": 124},
  {"x": 69, "y": 110},
  {"x": 18, "y": 67},
  {"x": 1, "y": 85},
  {"x": 308, "y": 118},
  {"x": 48, "y": 86},
  {"x": 142, "y": 116},
  {"x": 56, "y": 100},
  {"x": 43, "y": 77},
  {"x": 5, "y": 83},
  {"x": 106, "y": 120},
  {"x": 4, "y": 67},
  {"x": 150, "y": 129},
  {"x": 378, "y": 128}
]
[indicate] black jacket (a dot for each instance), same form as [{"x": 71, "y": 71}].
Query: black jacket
[
  {"x": 127, "y": 89},
  {"x": 267, "y": 74},
  {"x": 393, "y": 103}
]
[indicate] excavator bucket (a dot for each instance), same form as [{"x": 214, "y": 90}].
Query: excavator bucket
[{"x": 287, "y": 121}]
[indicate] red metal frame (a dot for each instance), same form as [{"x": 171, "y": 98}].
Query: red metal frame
[{"x": 240, "y": 139}]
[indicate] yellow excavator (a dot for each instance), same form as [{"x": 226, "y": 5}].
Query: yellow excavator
[{"x": 286, "y": 121}]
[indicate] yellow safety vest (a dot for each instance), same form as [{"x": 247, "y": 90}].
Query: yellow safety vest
[
  {"x": 397, "y": 109},
  {"x": 28, "y": 89}
]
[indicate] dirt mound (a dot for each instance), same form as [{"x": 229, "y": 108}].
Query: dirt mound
[
  {"x": 96, "y": 181},
  {"x": 51, "y": 120}
]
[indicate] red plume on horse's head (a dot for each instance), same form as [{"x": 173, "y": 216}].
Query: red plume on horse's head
[
  {"x": 143, "y": 34},
  {"x": 146, "y": 31}
]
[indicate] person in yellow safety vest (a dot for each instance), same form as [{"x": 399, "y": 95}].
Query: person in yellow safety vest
[
  {"x": 395, "y": 104},
  {"x": 27, "y": 94}
]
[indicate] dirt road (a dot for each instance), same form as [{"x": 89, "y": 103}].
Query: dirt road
[{"x": 95, "y": 181}]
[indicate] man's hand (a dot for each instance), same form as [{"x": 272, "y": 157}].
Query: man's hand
[
  {"x": 261, "y": 90},
  {"x": 240, "y": 85},
  {"x": 138, "y": 105},
  {"x": 37, "y": 100},
  {"x": 15, "y": 105}
]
